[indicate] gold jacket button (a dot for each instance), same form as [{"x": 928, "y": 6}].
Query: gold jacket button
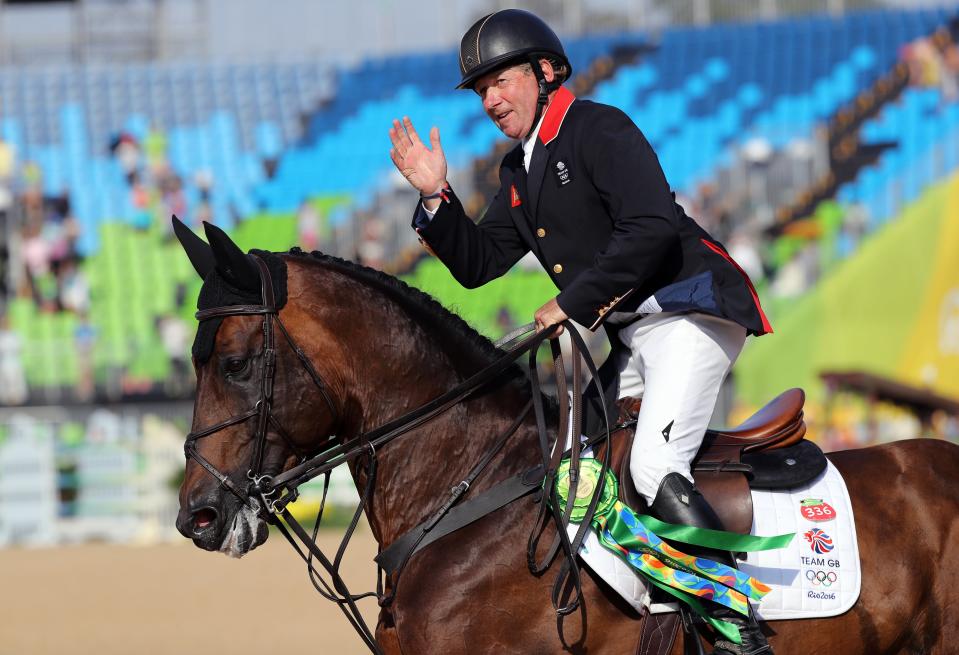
[
  {"x": 541, "y": 233},
  {"x": 558, "y": 268}
]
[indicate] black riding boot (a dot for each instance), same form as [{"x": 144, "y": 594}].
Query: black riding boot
[{"x": 678, "y": 501}]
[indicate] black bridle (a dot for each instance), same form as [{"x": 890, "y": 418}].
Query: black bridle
[
  {"x": 275, "y": 492},
  {"x": 262, "y": 409}
]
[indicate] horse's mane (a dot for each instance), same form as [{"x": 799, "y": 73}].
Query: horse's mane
[{"x": 417, "y": 302}]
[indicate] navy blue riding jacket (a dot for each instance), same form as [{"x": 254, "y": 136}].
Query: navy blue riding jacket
[{"x": 596, "y": 210}]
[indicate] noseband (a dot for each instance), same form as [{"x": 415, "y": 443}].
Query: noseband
[{"x": 263, "y": 408}]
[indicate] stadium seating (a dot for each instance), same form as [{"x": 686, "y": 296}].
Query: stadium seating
[
  {"x": 924, "y": 129},
  {"x": 224, "y": 120},
  {"x": 700, "y": 92},
  {"x": 706, "y": 89}
]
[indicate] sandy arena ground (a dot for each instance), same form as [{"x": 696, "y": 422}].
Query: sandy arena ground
[{"x": 124, "y": 600}]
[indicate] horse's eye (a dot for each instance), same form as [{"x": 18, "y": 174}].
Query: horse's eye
[{"x": 234, "y": 364}]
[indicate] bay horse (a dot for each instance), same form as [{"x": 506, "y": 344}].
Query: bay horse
[{"x": 370, "y": 348}]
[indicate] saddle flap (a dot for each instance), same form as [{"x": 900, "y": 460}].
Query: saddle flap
[{"x": 728, "y": 494}]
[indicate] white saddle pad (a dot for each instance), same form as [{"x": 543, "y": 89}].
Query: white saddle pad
[{"x": 817, "y": 575}]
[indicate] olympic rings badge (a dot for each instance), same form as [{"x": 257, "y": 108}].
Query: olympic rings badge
[{"x": 824, "y": 578}]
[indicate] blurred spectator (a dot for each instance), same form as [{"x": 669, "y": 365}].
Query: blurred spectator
[
  {"x": 85, "y": 339},
  {"x": 127, "y": 151},
  {"x": 742, "y": 248},
  {"x": 175, "y": 336},
  {"x": 795, "y": 276},
  {"x": 74, "y": 290},
  {"x": 31, "y": 196},
  {"x": 504, "y": 320},
  {"x": 945, "y": 426},
  {"x": 950, "y": 61},
  {"x": 920, "y": 57},
  {"x": 204, "y": 184},
  {"x": 155, "y": 149},
  {"x": 173, "y": 199},
  {"x": 308, "y": 226},
  {"x": 854, "y": 226},
  {"x": 372, "y": 250},
  {"x": 60, "y": 228},
  {"x": 934, "y": 62},
  {"x": 141, "y": 197},
  {"x": 13, "y": 382},
  {"x": 36, "y": 258},
  {"x": 711, "y": 211},
  {"x": 48, "y": 239},
  {"x": 7, "y": 161}
]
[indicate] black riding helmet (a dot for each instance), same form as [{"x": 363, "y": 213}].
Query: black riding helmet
[
  {"x": 505, "y": 37},
  {"x": 509, "y": 37}
]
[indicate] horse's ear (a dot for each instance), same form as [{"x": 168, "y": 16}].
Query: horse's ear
[
  {"x": 231, "y": 262},
  {"x": 198, "y": 250}
]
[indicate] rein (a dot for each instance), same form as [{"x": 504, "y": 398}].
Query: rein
[{"x": 268, "y": 496}]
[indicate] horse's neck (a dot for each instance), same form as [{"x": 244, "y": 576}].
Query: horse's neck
[
  {"x": 417, "y": 358},
  {"x": 417, "y": 470}
]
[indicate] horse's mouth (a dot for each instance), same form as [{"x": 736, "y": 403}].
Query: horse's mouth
[{"x": 246, "y": 532}]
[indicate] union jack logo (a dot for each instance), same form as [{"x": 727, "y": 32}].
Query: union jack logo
[{"x": 819, "y": 541}]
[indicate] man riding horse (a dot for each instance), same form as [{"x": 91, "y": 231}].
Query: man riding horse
[{"x": 584, "y": 191}]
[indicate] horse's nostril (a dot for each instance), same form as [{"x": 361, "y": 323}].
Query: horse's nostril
[{"x": 204, "y": 517}]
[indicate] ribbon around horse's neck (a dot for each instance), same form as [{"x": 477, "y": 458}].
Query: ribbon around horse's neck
[{"x": 638, "y": 541}]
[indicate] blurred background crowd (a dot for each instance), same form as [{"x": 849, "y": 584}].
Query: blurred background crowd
[{"x": 818, "y": 140}]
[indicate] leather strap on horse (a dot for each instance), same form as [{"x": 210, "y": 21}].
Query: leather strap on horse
[
  {"x": 369, "y": 443},
  {"x": 276, "y": 493},
  {"x": 382, "y": 435},
  {"x": 469, "y": 511},
  {"x": 568, "y": 580},
  {"x": 658, "y": 634},
  {"x": 414, "y": 540},
  {"x": 417, "y": 536}
]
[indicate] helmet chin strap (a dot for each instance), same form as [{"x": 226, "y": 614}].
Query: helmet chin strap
[{"x": 544, "y": 90}]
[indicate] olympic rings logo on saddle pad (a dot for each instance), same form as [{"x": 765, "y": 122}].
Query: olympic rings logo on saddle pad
[{"x": 822, "y": 578}]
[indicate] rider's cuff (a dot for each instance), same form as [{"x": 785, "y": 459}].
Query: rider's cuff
[{"x": 429, "y": 214}]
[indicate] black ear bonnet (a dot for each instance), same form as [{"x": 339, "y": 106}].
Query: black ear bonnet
[
  {"x": 230, "y": 277},
  {"x": 219, "y": 291}
]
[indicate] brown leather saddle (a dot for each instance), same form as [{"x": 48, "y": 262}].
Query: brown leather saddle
[
  {"x": 728, "y": 461},
  {"x": 719, "y": 469}
]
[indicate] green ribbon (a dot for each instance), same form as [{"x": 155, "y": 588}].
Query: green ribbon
[
  {"x": 638, "y": 541},
  {"x": 715, "y": 539}
]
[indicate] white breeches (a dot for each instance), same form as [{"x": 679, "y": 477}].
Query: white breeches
[{"x": 677, "y": 363}]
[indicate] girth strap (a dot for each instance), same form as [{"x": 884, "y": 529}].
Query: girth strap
[{"x": 658, "y": 634}]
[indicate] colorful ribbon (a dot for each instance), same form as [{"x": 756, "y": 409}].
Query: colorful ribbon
[{"x": 638, "y": 541}]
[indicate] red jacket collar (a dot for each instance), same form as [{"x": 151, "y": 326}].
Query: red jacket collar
[{"x": 555, "y": 113}]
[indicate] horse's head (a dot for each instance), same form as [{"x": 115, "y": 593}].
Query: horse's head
[{"x": 244, "y": 357}]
